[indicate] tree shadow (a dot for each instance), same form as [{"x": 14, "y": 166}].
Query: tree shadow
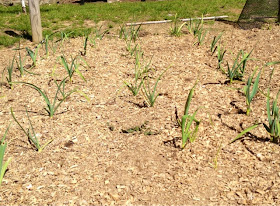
[
  {"x": 232, "y": 23},
  {"x": 23, "y": 34},
  {"x": 256, "y": 23},
  {"x": 82, "y": 2}
]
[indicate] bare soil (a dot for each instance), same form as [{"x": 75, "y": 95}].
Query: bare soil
[{"x": 95, "y": 159}]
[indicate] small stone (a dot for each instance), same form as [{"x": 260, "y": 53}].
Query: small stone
[
  {"x": 29, "y": 187},
  {"x": 73, "y": 166},
  {"x": 260, "y": 156},
  {"x": 241, "y": 202},
  {"x": 40, "y": 187},
  {"x": 83, "y": 202},
  {"x": 243, "y": 179},
  {"x": 39, "y": 135},
  {"x": 231, "y": 195},
  {"x": 114, "y": 196},
  {"x": 196, "y": 198},
  {"x": 121, "y": 186},
  {"x": 74, "y": 139}
]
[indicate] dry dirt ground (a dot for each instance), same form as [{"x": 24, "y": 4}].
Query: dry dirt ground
[{"x": 95, "y": 159}]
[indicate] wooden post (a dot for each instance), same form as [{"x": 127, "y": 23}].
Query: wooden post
[
  {"x": 35, "y": 20},
  {"x": 23, "y": 6}
]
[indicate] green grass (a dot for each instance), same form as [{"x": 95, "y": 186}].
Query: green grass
[
  {"x": 71, "y": 17},
  {"x": 6, "y": 40}
]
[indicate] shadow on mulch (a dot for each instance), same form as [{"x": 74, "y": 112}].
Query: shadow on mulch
[
  {"x": 174, "y": 142},
  {"x": 245, "y": 25}
]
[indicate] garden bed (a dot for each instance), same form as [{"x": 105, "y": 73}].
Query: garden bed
[{"x": 114, "y": 149}]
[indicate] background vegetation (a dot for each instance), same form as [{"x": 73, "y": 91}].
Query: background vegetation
[{"x": 72, "y": 17}]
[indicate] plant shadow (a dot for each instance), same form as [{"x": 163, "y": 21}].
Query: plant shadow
[
  {"x": 239, "y": 110},
  {"x": 173, "y": 142},
  {"x": 251, "y": 136},
  {"x": 139, "y": 105}
]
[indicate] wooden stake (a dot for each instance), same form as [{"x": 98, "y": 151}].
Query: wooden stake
[
  {"x": 35, "y": 20},
  {"x": 23, "y": 6},
  {"x": 167, "y": 21}
]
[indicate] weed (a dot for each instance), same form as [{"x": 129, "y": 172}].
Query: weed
[
  {"x": 136, "y": 128},
  {"x": 31, "y": 135},
  {"x": 215, "y": 161},
  {"x": 3, "y": 166}
]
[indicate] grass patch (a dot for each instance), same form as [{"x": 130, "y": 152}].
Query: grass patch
[
  {"x": 56, "y": 16},
  {"x": 6, "y": 40}
]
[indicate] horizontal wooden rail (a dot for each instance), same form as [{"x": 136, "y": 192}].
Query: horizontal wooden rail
[{"x": 168, "y": 21}]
